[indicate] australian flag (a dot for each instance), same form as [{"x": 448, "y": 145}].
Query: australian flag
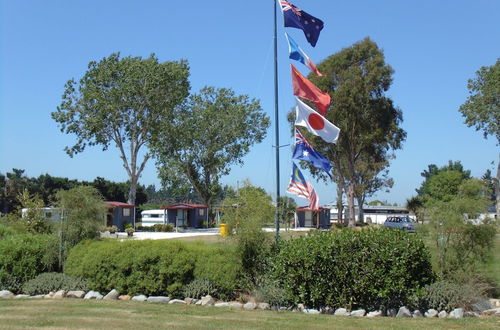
[
  {"x": 304, "y": 151},
  {"x": 296, "y": 18}
]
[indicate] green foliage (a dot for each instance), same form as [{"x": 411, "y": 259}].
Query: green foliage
[
  {"x": 245, "y": 216},
  {"x": 34, "y": 219},
  {"x": 200, "y": 287},
  {"x": 24, "y": 256},
  {"x": 433, "y": 170},
  {"x": 158, "y": 227},
  {"x": 6, "y": 231},
  {"x": 127, "y": 224},
  {"x": 482, "y": 108},
  {"x": 153, "y": 267},
  {"x": 212, "y": 133},
  {"x": 122, "y": 101},
  {"x": 47, "y": 282},
  {"x": 373, "y": 268},
  {"x": 270, "y": 291}
]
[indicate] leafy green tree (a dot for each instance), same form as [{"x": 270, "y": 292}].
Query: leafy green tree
[
  {"x": 212, "y": 132},
  {"x": 34, "y": 219},
  {"x": 416, "y": 205},
  {"x": 433, "y": 170},
  {"x": 482, "y": 109},
  {"x": 82, "y": 214},
  {"x": 124, "y": 101},
  {"x": 357, "y": 79}
]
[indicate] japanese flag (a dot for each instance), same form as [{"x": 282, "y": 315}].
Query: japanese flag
[{"x": 315, "y": 123}]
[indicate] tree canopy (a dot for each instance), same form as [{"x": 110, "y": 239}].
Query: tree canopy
[
  {"x": 213, "y": 131},
  {"x": 122, "y": 101}
]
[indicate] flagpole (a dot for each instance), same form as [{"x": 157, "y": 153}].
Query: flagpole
[{"x": 277, "y": 135}]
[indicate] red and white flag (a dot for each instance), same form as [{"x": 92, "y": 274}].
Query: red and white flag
[{"x": 315, "y": 123}]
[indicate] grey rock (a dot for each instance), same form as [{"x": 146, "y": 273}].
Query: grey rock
[
  {"x": 358, "y": 312},
  {"x": 177, "y": 302},
  {"x": 158, "y": 299},
  {"x": 417, "y": 314},
  {"x": 75, "y": 294},
  {"x": 38, "y": 296},
  {"x": 198, "y": 303},
  {"x": 431, "y": 313},
  {"x": 391, "y": 312},
  {"x": 207, "y": 301},
  {"x": 457, "y": 313},
  {"x": 49, "y": 295},
  {"x": 139, "y": 298},
  {"x": 6, "y": 294},
  {"x": 375, "y": 314},
  {"x": 93, "y": 295},
  {"x": 482, "y": 305},
  {"x": 235, "y": 304},
  {"x": 250, "y": 306},
  {"x": 59, "y": 294},
  {"x": 495, "y": 303},
  {"x": 301, "y": 307},
  {"x": 442, "y": 314},
  {"x": 190, "y": 301},
  {"x": 327, "y": 310},
  {"x": 471, "y": 314},
  {"x": 112, "y": 295},
  {"x": 221, "y": 304},
  {"x": 341, "y": 312},
  {"x": 263, "y": 306},
  {"x": 491, "y": 311},
  {"x": 310, "y": 311},
  {"x": 22, "y": 296},
  {"x": 403, "y": 312}
]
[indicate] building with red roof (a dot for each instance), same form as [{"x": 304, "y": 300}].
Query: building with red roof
[
  {"x": 187, "y": 215},
  {"x": 120, "y": 213}
]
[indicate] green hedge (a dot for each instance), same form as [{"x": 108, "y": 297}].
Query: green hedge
[
  {"x": 47, "y": 282},
  {"x": 24, "y": 256},
  {"x": 153, "y": 267},
  {"x": 373, "y": 269}
]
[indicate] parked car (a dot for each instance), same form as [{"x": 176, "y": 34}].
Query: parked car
[{"x": 402, "y": 222}]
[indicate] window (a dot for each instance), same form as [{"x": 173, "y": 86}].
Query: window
[
  {"x": 202, "y": 212},
  {"x": 126, "y": 212}
]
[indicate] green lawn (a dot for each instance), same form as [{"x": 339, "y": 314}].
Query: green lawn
[{"x": 73, "y": 313}]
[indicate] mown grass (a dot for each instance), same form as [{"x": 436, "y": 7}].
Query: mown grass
[{"x": 73, "y": 313}]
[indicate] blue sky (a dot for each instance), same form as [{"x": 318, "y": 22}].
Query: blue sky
[{"x": 433, "y": 46}]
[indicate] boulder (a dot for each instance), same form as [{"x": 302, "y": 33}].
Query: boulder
[
  {"x": 190, "y": 301},
  {"x": 198, "y": 303},
  {"x": 431, "y": 313},
  {"x": 457, "y": 313},
  {"x": 75, "y": 294},
  {"x": 403, "y": 312},
  {"x": 38, "y": 296},
  {"x": 391, "y": 312},
  {"x": 327, "y": 310},
  {"x": 250, "y": 306},
  {"x": 375, "y": 314},
  {"x": 301, "y": 307},
  {"x": 491, "y": 311},
  {"x": 481, "y": 306},
  {"x": 417, "y": 314},
  {"x": 59, "y": 294},
  {"x": 22, "y": 296},
  {"x": 6, "y": 294},
  {"x": 93, "y": 295},
  {"x": 495, "y": 303},
  {"x": 177, "y": 302},
  {"x": 341, "y": 312},
  {"x": 49, "y": 295},
  {"x": 263, "y": 306},
  {"x": 310, "y": 311},
  {"x": 139, "y": 298},
  {"x": 124, "y": 297},
  {"x": 112, "y": 295},
  {"x": 235, "y": 304},
  {"x": 158, "y": 299},
  {"x": 442, "y": 314},
  {"x": 471, "y": 314},
  {"x": 222, "y": 304},
  {"x": 207, "y": 301},
  {"x": 358, "y": 312}
]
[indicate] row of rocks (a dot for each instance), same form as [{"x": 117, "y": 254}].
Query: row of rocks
[{"x": 403, "y": 312}]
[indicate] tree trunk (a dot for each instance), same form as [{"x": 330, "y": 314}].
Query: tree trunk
[
  {"x": 350, "y": 203},
  {"x": 497, "y": 189},
  {"x": 132, "y": 190},
  {"x": 340, "y": 205},
  {"x": 361, "y": 215}
]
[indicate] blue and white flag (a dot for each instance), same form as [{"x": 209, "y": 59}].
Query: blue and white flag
[
  {"x": 304, "y": 151},
  {"x": 297, "y": 54},
  {"x": 296, "y": 18}
]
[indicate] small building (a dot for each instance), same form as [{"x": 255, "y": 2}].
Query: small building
[
  {"x": 119, "y": 213},
  {"x": 313, "y": 219},
  {"x": 187, "y": 215}
]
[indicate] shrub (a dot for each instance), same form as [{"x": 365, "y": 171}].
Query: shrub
[
  {"x": 46, "y": 282},
  {"x": 270, "y": 291},
  {"x": 200, "y": 287},
  {"x": 127, "y": 224},
  {"x": 372, "y": 269},
  {"x": 145, "y": 228},
  {"x": 6, "y": 231},
  {"x": 152, "y": 267},
  {"x": 163, "y": 227},
  {"x": 23, "y": 257}
]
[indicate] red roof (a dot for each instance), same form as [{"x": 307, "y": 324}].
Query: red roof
[
  {"x": 119, "y": 204},
  {"x": 184, "y": 206}
]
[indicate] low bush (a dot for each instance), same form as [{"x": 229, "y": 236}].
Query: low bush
[
  {"x": 146, "y": 228},
  {"x": 47, "y": 282},
  {"x": 376, "y": 268},
  {"x": 6, "y": 231},
  {"x": 24, "y": 256},
  {"x": 163, "y": 227},
  {"x": 153, "y": 267},
  {"x": 200, "y": 287},
  {"x": 271, "y": 292}
]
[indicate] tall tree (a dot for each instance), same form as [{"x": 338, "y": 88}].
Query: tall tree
[
  {"x": 433, "y": 170},
  {"x": 482, "y": 109},
  {"x": 357, "y": 79},
  {"x": 212, "y": 132},
  {"x": 122, "y": 101}
]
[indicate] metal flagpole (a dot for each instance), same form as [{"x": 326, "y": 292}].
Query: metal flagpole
[{"x": 277, "y": 136}]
